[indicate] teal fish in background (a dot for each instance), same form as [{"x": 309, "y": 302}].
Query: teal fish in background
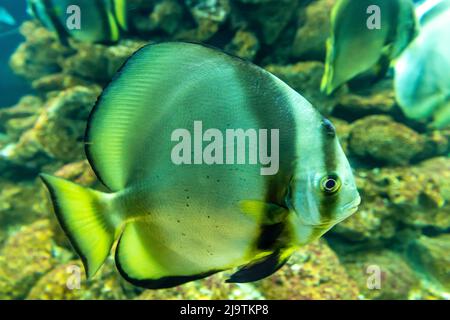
[
  {"x": 354, "y": 49},
  {"x": 7, "y": 21},
  {"x": 6, "y": 18},
  {"x": 422, "y": 73},
  {"x": 429, "y": 9},
  {"x": 100, "y": 20},
  {"x": 176, "y": 223}
]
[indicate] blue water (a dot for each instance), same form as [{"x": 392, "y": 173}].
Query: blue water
[{"x": 11, "y": 86}]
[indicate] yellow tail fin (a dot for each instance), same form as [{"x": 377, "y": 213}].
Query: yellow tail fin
[{"x": 82, "y": 213}]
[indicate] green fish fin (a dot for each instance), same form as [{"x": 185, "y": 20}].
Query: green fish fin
[
  {"x": 326, "y": 85},
  {"x": 121, "y": 13},
  {"x": 265, "y": 213},
  {"x": 260, "y": 269},
  {"x": 442, "y": 117},
  {"x": 383, "y": 64},
  {"x": 137, "y": 265},
  {"x": 52, "y": 17},
  {"x": 81, "y": 214}
]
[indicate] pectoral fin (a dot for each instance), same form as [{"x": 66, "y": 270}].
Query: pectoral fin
[
  {"x": 260, "y": 269},
  {"x": 265, "y": 213}
]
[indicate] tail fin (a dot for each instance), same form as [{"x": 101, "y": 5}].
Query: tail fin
[{"x": 82, "y": 214}]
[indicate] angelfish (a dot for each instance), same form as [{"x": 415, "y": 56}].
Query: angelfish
[
  {"x": 85, "y": 20},
  {"x": 177, "y": 223},
  {"x": 365, "y": 39},
  {"x": 422, "y": 73}
]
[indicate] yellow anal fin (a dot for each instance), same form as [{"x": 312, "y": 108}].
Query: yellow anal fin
[
  {"x": 263, "y": 212},
  {"x": 140, "y": 263}
]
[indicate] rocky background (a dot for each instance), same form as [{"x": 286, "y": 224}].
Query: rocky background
[{"x": 402, "y": 167}]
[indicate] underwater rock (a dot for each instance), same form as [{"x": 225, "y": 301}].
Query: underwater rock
[
  {"x": 166, "y": 16},
  {"x": 437, "y": 143},
  {"x": 343, "y": 129},
  {"x": 380, "y": 99},
  {"x": 25, "y": 257},
  {"x": 209, "y": 16},
  {"x": 39, "y": 55},
  {"x": 269, "y": 18},
  {"x": 311, "y": 36},
  {"x": 42, "y": 55},
  {"x": 211, "y": 288},
  {"x": 20, "y": 117},
  {"x": 59, "y": 130},
  {"x": 19, "y": 203},
  {"x": 215, "y": 10},
  {"x": 68, "y": 282},
  {"x": 305, "y": 78},
  {"x": 431, "y": 256},
  {"x": 397, "y": 279},
  {"x": 79, "y": 172},
  {"x": 425, "y": 196},
  {"x": 57, "y": 82},
  {"x": 244, "y": 44},
  {"x": 417, "y": 197},
  {"x": 313, "y": 272},
  {"x": 98, "y": 62},
  {"x": 379, "y": 138}
]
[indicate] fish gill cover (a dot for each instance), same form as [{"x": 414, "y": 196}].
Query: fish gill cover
[{"x": 393, "y": 247}]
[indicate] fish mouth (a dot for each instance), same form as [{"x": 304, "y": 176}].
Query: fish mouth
[
  {"x": 353, "y": 206},
  {"x": 348, "y": 209}
]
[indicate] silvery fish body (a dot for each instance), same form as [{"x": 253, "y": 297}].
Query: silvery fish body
[
  {"x": 177, "y": 220},
  {"x": 422, "y": 73}
]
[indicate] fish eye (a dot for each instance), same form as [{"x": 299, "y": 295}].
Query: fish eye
[{"x": 330, "y": 184}]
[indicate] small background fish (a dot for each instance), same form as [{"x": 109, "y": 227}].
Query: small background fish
[
  {"x": 100, "y": 20},
  {"x": 354, "y": 49},
  {"x": 422, "y": 71}
]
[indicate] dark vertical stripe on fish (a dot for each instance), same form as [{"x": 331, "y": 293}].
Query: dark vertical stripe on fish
[
  {"x": 328, "y": 202},
  {"x": 57, "y": 24},
  {"x": 275, "y": 185},
  {"x": 106, "y": 26}
]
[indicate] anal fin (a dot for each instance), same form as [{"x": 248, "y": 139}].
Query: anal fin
[
  {"x": 137, "y": 262},
  {"x": 265, "y": 213},
  {"x": 260, "y": 269}
]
